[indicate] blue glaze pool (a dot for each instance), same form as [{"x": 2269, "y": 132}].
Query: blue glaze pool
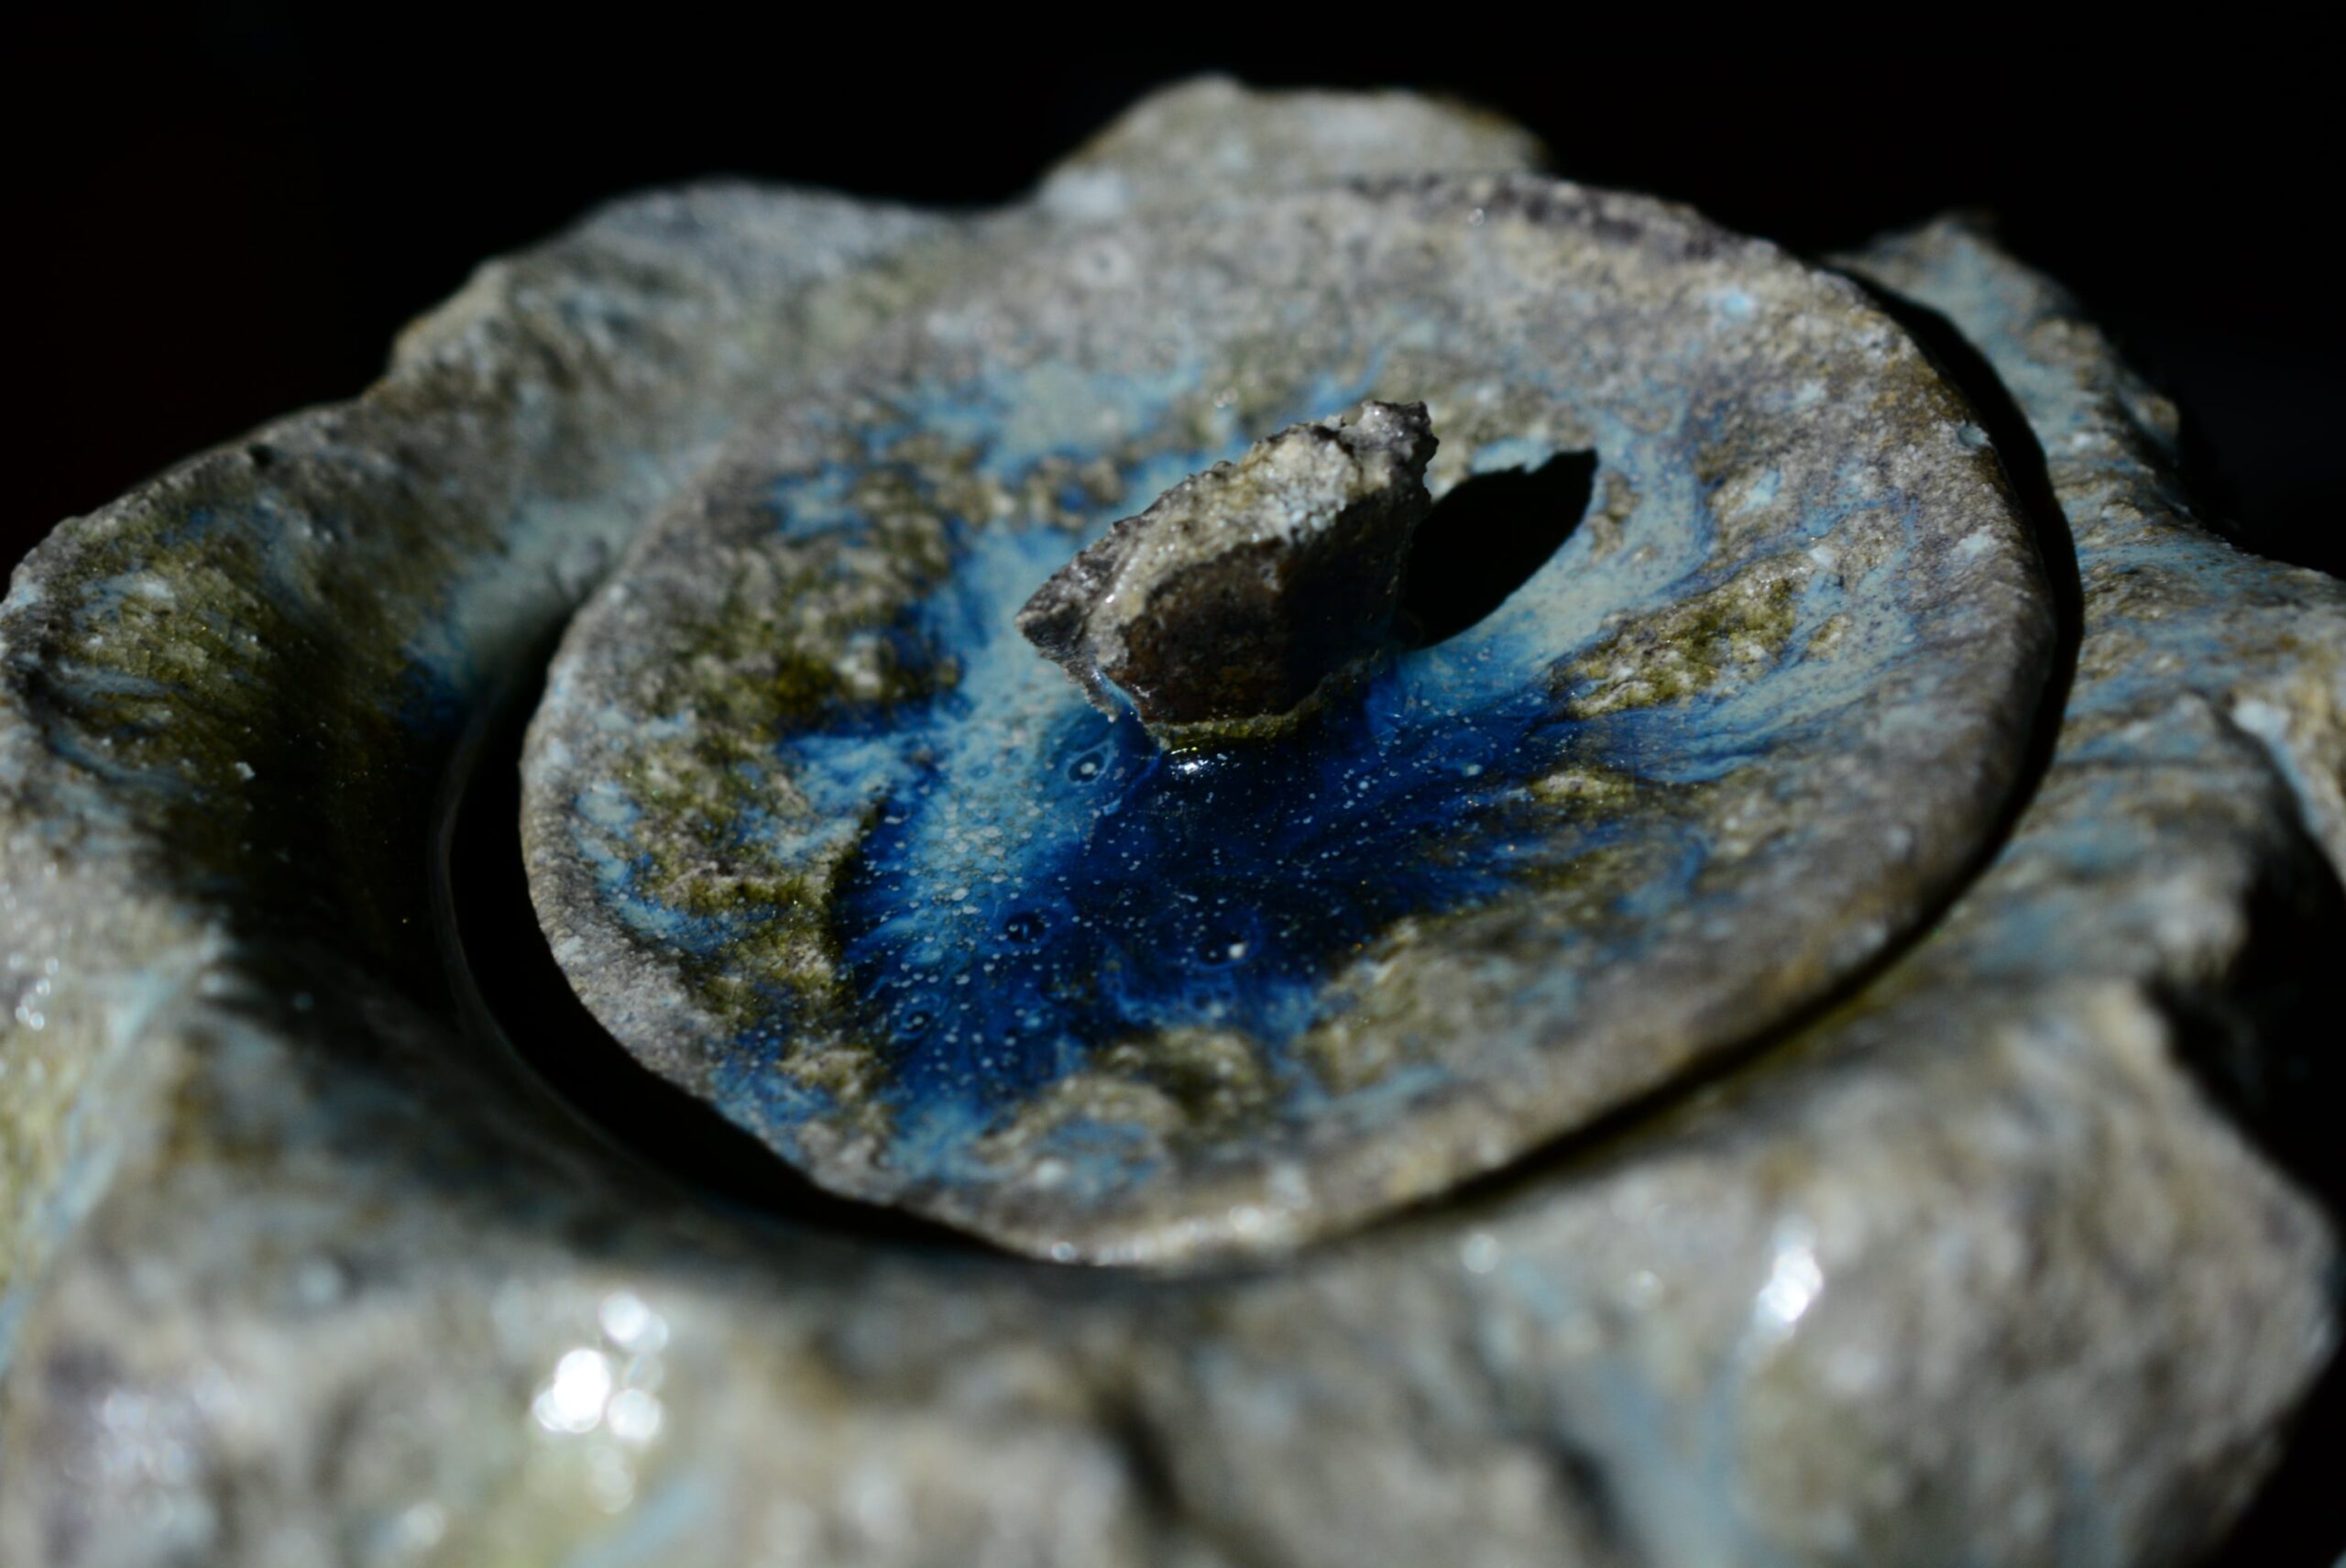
[{"x": 1157, "y": 890}]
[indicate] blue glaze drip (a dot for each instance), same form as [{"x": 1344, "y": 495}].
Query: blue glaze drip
[{"x": 1176, "y": 889}]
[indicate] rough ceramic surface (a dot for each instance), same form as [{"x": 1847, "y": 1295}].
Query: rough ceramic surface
[
  {"x": 298, "y": 1270},
  {"x": 817, "y": 834},
  {"x": 1248, "y": 594}
]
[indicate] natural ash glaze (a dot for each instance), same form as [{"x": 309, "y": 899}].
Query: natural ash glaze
[{"x": 295, "y": 1266}]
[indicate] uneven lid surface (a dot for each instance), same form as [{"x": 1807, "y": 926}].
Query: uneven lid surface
[{"x": 816, "y": 834}]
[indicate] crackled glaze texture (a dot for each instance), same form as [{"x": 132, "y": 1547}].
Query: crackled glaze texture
[
  {"x": 816, "y": 832},
  {"x": 299, "y": 1265}
]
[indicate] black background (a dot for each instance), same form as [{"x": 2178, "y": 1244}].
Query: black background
[
  {"x": 227, "y": 214},
  {"x": 218, "y": 217}
]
